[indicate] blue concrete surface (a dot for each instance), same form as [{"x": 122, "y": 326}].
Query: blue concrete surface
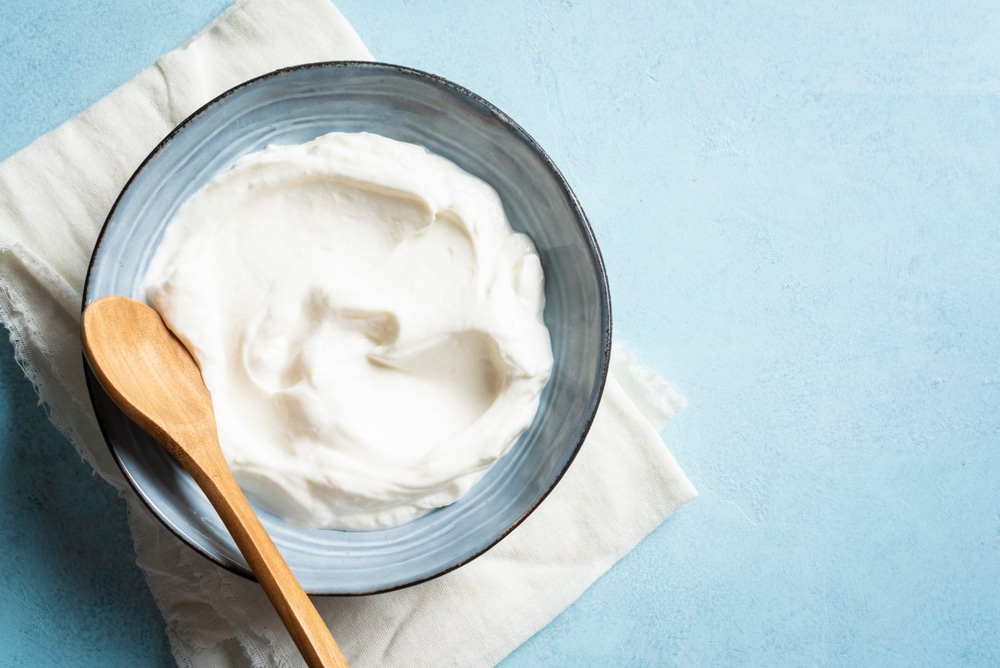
[{"x": 798, "y": 205}]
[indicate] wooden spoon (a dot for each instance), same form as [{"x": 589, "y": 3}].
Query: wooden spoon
[{"x": 149, "y": 373}]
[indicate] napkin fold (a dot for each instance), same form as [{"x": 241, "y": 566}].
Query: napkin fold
[{"x": 54, "y": 197}]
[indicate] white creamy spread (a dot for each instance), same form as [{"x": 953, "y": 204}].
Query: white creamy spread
[{"x": 367, "y": 322}]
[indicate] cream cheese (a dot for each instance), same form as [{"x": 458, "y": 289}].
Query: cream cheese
[{"x": 367, "y": 322}]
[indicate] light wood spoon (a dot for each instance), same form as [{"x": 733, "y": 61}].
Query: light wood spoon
[{"x": 149, "y": 373}]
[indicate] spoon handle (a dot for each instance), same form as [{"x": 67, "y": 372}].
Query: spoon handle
[{"x": 307, "y": 628}]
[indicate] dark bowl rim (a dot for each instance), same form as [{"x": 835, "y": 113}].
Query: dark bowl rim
[{"x": 461, "y": 92}]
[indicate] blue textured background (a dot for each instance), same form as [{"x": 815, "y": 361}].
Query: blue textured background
[{"x": 798, "y": 205}]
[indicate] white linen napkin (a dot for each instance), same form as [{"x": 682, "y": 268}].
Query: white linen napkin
[{"x": 54, "y": 197}]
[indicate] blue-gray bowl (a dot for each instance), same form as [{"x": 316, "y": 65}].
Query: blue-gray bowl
[{"x": 298, "y": 104}]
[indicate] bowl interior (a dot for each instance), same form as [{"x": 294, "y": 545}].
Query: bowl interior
[{"x": 297, "y": 105}]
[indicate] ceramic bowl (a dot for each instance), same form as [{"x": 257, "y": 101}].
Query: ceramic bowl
[{"x": 298, "y": 104}]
